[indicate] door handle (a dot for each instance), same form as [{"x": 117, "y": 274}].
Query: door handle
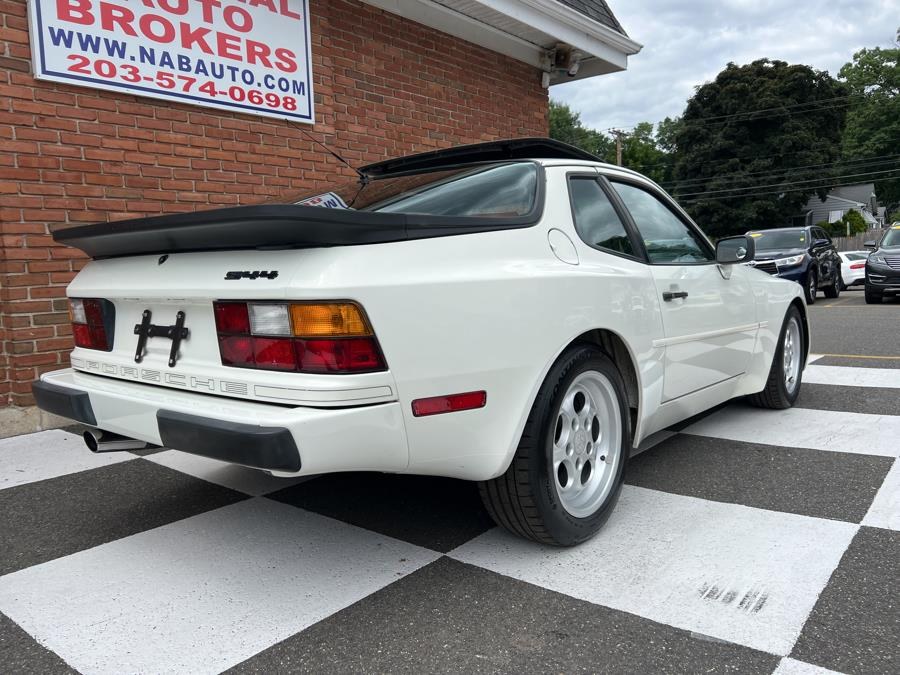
[{"x": 668, "y": 296}]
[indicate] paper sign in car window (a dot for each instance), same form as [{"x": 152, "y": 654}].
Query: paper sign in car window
[
  {"x": 756, "y": 234},
  {"x": 329, "y": 200}
]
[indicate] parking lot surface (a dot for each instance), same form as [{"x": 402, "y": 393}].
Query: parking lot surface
[{"x": 748, "y": 541}]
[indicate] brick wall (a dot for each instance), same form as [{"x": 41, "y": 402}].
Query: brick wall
[{"x": 384, "y": 86}]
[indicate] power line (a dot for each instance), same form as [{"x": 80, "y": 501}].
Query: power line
[
  {"x": 737, "y": 175},
  {"x": 783, "y": 184},
  {"x": 813, "y": 188},
  {"x": 753, "y": 114}
]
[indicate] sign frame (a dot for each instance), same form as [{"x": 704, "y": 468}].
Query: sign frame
[{"x": 41, "y": 71}]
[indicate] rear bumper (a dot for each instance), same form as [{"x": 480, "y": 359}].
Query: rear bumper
[{"x": 281, "y": 439}]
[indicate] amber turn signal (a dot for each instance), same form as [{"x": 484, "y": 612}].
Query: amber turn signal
[{"x": 342, "y": 319}]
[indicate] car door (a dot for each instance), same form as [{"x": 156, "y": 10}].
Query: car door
[{"x": 709, "y": 314}]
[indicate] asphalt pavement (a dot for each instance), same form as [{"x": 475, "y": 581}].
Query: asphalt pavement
[
  {"x": 850, "y": 332},
  {"x": 745, "y": 541}
]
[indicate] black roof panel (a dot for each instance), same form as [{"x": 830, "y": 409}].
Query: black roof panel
[{"x": 514, "y": 148}]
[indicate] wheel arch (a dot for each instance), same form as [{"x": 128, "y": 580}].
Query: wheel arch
[
  {"x": 616, "y": 348},
  {"x": 801, "y": 308}
]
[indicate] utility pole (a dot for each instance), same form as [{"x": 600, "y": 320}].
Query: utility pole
[{"x": 618, "y": 134}]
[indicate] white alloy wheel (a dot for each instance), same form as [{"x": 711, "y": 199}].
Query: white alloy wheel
[{"x": 587, "y": 443}]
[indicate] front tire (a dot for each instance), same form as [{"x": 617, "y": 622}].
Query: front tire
[
  {"x": 873, "y": 297},
  {"x": 566, "y": 475},
  {"x": 786, "y": 374},
  {"x": 812, "y": 286}
]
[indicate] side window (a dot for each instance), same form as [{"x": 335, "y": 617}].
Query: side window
[
  {"x": 822, "y": 234},
  {"x": 596, "y": 221},
  {"x": 666, "y": 237}
]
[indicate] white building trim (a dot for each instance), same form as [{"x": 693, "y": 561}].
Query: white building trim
[{"x": 603, "y": 49}]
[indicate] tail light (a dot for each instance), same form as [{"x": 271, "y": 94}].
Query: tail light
[
  {"x": 303, "y": 337},
  {"x": 93, "y": 323},
  {"x": 857, "y": 266}
]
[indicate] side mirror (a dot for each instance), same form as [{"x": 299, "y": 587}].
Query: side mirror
[
  {"x": 870, "y": 244},
  {"x": 732, "y": 250}
]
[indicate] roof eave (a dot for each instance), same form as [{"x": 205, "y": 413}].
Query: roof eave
[{"x": 608, "y": 49}]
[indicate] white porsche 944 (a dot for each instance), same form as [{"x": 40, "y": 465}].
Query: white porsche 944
[{"x": 515, "y": 313}]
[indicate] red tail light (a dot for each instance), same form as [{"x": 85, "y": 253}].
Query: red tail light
[
  {"x": 857, "y": 266},
  {"x": 93, "y": 323},
  {"x": 297, "y": 337}
]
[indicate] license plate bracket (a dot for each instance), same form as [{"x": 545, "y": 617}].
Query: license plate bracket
[{"x": 146, "y": 330}]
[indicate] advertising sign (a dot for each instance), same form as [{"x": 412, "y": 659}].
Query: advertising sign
[{"x": 250, "y": 56}]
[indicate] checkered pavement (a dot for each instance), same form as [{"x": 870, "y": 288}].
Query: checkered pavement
[{"x": 748, "y": 541}]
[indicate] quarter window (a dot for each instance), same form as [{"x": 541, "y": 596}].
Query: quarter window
[
  {"x": 666, "y": 237},
  {"x": 596, "y": 221}
]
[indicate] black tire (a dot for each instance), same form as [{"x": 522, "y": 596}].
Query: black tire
[
  {"x": 834, "y": 290},
  {"x": 844, "y": 286},
  {"x": 812, "y": 285},
  {"x": 873, "y": 297},
  {"x": 776, "y": 395},
  {"x": 524, "y": 500}
]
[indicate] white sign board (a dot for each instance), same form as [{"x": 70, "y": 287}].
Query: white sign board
[{"x": 250, "y": 56}]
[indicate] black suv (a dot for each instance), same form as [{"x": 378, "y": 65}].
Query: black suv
[
  {"x": 803, "y": 254},
  {"x": 883, "y": 266}
]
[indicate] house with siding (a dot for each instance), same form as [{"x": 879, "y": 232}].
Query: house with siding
[{"x": 860, "y": 197}]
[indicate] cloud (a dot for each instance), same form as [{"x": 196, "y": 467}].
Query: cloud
[{"x": 687, "y": 43}]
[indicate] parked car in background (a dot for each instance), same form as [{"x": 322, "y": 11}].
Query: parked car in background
[
  {"x": 802, "y": 254},
  {"x": 853, "y": 268},
  {"x": 515, "y": 313},
  {"x": 883, "y": 266}
]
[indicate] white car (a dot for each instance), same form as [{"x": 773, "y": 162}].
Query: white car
[
  {"x": 515, "y": 313},
  {"x": 853, "y": 268}
]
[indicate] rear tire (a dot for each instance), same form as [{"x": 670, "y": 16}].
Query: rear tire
[
  {"x": 566, "y": 475},
  {"x": 873, "y": 297},
  {"x": 812, "y": 286},
  {"x": 834, "y": 290},
  {"x": 786, "y": 374}
]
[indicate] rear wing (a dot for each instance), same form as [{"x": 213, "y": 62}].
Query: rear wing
[{"x": 277, "y": 226}]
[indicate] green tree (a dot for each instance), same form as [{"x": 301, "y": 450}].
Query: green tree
[
  {"x": 642, "y": 149},
  {"x": 873, "y": 122},
  {"x": 747, "y": 138},
  {"x": 641, "y": 152},
  {"x": 566, "y": 126}
]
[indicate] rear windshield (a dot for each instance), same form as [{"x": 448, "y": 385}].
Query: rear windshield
[
  {"x": 769, "y": 240},
  {"x": 856, "y": 256},
  {"x": 505, "y": 190}
]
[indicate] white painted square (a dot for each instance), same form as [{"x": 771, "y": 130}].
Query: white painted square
[
  {"x": 857, "y": 433},
  {"x": 887, "y": 378},
  {"x": 249, "y": 481},
  {"x": 885, "y": 509},
  {"x": 202, "y": 594},
  {"x": 732, "y": 572},
  {"x": 788, "y": 666},
  {"x": 48, "y": 454}
]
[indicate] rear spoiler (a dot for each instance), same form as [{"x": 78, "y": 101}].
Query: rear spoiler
[{"x": 269, "y": 226}]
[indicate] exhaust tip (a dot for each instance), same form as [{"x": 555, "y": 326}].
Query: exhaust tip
[
  {"x": 92, "y": 440},
  {"x": 98, "y": 440}
]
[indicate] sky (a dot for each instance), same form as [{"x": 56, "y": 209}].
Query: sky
[{"x": 687, "y": 43}]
